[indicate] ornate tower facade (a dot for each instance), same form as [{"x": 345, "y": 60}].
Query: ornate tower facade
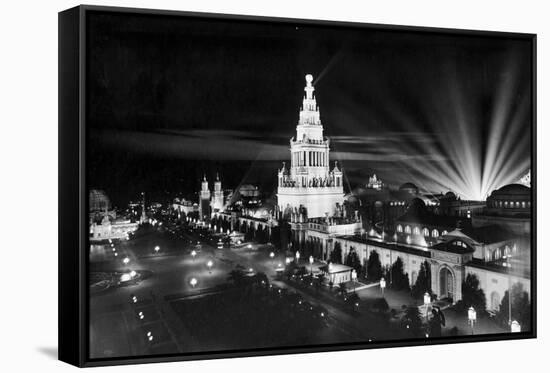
[
  {"x": 309, "y": 183},
  {"x": 217, "y": 197},
  {"x": 204, "y": 199}
]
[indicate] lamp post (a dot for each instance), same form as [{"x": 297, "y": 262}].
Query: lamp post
[
  {"x": 382, "y": 286},
  {"x": 311, "y": 264},
  {"x": 193, "y": 282},
  {"x": 297, "y": 257},
  {"x": 193, "y": 254},
  {"x": 271, "y": 256},
  {"x": 427, "y": 301},
  {"x": 515, "y": 327},
  {"x": 472, "y": 318},
  {"x": 157, "y": 249},
  {"x": 209, "y": 264},
  {"x": 354, "y": 278},
  {"x": 126, "y": 260}
]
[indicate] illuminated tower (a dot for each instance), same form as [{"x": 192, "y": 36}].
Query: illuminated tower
[
  {"x": 204, "y": 199},
  {"x": 143, "y": 218},
  {"x": 217, "y": 198},
  {"x": 310, "y": 183}
]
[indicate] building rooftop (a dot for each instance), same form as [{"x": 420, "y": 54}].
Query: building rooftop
[{"x": 389, "y": 245}]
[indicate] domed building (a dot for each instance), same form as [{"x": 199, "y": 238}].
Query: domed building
[
  {"x": 509, "y": 207},
  {"x": 409, "y": 188},
  {"x": 510, "y": 200}
]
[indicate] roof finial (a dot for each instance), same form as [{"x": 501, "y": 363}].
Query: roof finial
[{"x": 309, "y": 79}]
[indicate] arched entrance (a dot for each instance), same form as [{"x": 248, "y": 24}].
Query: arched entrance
[{"x": 446, "y": 283}]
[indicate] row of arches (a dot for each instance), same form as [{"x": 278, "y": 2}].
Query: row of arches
[
  {"x": 501, "y": 252},
  {"x": 511, "y": 204},
  {"x": 416, "y": 231}
]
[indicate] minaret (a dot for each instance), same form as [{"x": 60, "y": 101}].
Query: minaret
[
  {"x": 204, "y": 200},
  {"x": 310, "y": 183},
  {"x": 217, "y": 198}
]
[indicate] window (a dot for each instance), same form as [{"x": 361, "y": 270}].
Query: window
[
  {"x": 435, "y": 233},
  {"x": 408, "y": 229},
  {"x": 444, "y": 233},
  {"x": 507, "y": 250},
  {"x": 426, "y": 232},
  {"x": 416, "y": 231},
  {"x": 523, "y": 204},
  {"x": 400, "y": 228},
  {"x": 408, "y": 240}
]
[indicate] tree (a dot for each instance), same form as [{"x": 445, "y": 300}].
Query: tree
[
  {"x": 400, "y": 280},
  {"x": 320, "y": 281},
  {"x": 423, "y": 282},
  {"x": 352, "y": 260},
  {"x": 413, "y": 321},
  {"x": 342, "y": 288},
  {"x": 521, "y": 307},
  {"x": 352, "y": 301},
  {"x": 336, "y": 254},
  {"x": 260, "y": 278},
  {"x": 472, "y": 294},
  {"x": 374, "y": 267}
]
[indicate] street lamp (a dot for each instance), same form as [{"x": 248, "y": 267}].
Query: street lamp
[
  {"x": 515, "y": 327},
  {"x": 472, "y": 318},
  {"x": 157, "y": 249},
  {"x": 133, "y": 274},
  {"x": 150, "y": 336},
  {"x": 297, "y": 257},
  {"x": 193, "y": 254},
  {"x": 427, "y": 301},
  {"x": 209, "y": 265},
  {"x": 354, "y": 278},
  {"x": 126, "y": 260},
  {"x": 193, "y": 282},
  {"x": 311, "y": 264},
  {"x": 382, "y": 285},
  {"x": 331, "y": 276}
]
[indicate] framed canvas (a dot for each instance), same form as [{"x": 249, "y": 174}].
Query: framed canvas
[{"x": 238, "y": 186}]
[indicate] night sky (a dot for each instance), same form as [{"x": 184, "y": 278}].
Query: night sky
[{"x": 171, "y": 98}]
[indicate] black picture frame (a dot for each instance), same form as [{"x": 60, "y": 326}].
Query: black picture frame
[{"x": 73, "y": 197}]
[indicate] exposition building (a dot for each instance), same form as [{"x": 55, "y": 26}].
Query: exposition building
[{"x": 490, "y": 239}]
